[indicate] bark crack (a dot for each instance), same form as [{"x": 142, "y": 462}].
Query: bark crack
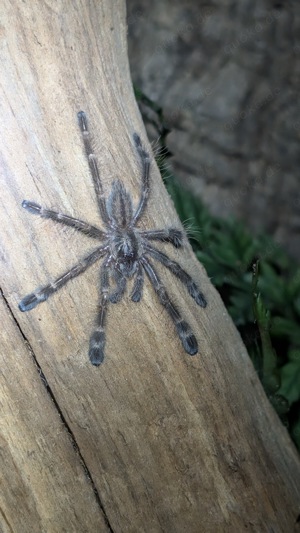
[{"x": 60, "y": 413}]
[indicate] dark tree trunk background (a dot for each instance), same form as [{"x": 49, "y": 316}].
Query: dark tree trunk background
[{"x": 227, "y": 76}]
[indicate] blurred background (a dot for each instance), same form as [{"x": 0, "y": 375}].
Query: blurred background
[
  {"x": 217, "y": 83},
  {"x": 227, "y": 75}
]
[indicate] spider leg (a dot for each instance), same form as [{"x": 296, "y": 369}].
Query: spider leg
[
  {"x": 181, "y": 274},
  {"x": 137, "y": 289},
  {"x": 79, "y": 225},
  {"x": 145, "y": 160},
  {"x": 83, "y": 125},
  {"x": 184, "y": 331},
  {"x": 121, "y": 282},
  {"x": 97, "y": 340},
  {"x": 41, "y": 295},
  {"x": 171, "y": 235}
]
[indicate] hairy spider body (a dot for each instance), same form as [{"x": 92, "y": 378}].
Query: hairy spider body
[{"x": 126, "y": 250}]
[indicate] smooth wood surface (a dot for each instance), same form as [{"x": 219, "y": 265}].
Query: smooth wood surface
[
  {"x": 37, "y": 455},
  {"x": 153, "y": 440}
]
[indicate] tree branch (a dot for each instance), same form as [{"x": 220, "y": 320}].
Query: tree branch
[{"x": 170, "y": 442}]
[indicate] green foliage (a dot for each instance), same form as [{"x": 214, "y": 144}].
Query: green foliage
[
  {"x": 264, "y": 305},
  {"x": 260, "y": 286}
]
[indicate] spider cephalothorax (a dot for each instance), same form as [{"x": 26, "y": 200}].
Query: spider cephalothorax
[{"x": 126, "y": 250}]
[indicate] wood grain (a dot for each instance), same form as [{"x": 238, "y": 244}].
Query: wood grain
[
  {"x": 34, "y": 444},
  {"x": 170, "y": 442}
]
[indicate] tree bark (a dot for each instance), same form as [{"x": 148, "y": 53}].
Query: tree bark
[{"x": 152, "y": 440}]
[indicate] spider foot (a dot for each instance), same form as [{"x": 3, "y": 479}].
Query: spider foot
[
  {"x": 190, "y": 345},
  {"x": 196, "y": 294},
  {"x": 115, "y": 297},
  {"x": 31, "y": 207},
  {"x": 139, "y": 146},
  {"x": 82, "y": 120},
  {"x": 188, "y": 339},
  {"x": 137, "y": 290},
  {"x": 96, "y": 350},
  {"x": 136, "y": 296},
  {"x": 137, "y": 140},
  {"x": 31, "y": 301},
  {"x": 175, "y": 237}
]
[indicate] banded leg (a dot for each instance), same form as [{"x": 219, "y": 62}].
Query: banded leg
[
  {"x": 172, "y": 235},
  {"x": 184, "y": 331},
  {"x": 83, "y": 125},
  {"x": 66, "y": 220},
  {"x": 97, "y": 340},
  {"x": 145, "y": 160},
  {"x": 181, "y": 274},
  {"x": 137, "y": 289},
  {"x": 41, "y": 295}
]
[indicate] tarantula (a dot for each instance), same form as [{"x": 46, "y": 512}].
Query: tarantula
[{"x": 125, "y": 248}]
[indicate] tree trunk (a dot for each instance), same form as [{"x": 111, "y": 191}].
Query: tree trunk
[
  {"x": 153, "y": 439},
  {"x": 227, "y": 77}
]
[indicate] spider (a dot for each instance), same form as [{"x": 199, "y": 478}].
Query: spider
[{"x": 126, "y": 250}]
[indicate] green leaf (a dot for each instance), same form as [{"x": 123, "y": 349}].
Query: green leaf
[
  {"x": 297, "y": 305},
  {"x": 290, "y": 381},
  {"x": 271, "y": 284},
  {"x": 284, "y": 327},
  {"x": 293, "y": 287},
  {"x": 294, "y": 354}
]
